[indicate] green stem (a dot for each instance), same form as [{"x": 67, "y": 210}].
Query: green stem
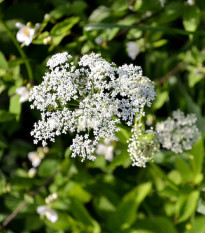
[{"x": 23, "y": 55}]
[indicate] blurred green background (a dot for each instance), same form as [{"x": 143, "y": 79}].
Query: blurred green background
[{"x": 167, "y": 196}]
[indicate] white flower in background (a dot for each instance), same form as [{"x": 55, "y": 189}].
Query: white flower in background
[
  {"x": 178, "y": 133},
  {"x": 24, "y": 94},
  {"x": 51, "y": 198},
  {"x": 47, "y": 40},
  {"x": 98, "y": 40},
  {"x": 190, "y": 2},
  {"x": 106, "y": 150},
  {"x": 93, "y": 95},
  {"x": 25, "y": 33},
  {"x": 34, "y": 158},
  {"x": 32, "y": 172},
  {"x": 162, "y": 2},
  {"x": 132, "y": 49},
  {"x": 50, "y": 214}
]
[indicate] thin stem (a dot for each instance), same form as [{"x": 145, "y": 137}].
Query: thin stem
[
  {"x": 24, "y": 203},
  {"x": 23, "y": 55},
  {"x": 172, "y": 72}
]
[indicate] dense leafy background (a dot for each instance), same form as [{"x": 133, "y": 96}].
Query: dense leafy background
[{"x": 165, "y": 197}]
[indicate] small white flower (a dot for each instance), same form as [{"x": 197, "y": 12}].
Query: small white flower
[
  {"x": 190, "y": 2},
  {"x": 162, "y": 2},
  {"x": 24, "y": 94},
  {"x": 51, "y": 198},
  {"x": 32, "y": 172},
  {"x": 47, "y": 40},
  {"x": 98, "y": 40},
  {"x": 50, "y": 214},
  {"x": 25, "y": 33},
  {"x": 34, "y": 158},
  {"x": 106, "y": 150},
  {"x": 132, "y": 49}
]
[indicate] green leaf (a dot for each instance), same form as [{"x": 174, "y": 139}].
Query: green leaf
[
  {"x": 198, "y": 225},
  {"x": 3, "y": 61},
  {"x": 189, "y": 207},
  {"x": 6, "y": 116},
  {"x": 156, "y": 225},
  {"x": 124, "y": 134},
  {"x": 171, "y": 12},
  {"x": 194, "y": 78},
  {"x": 48, "y": 167},
  {"x": 191, "y": 18},
  {"x": 60, "y": 30},
  {"x": 160, "y": 99},
  {"x": 121, "y": 157},
  {"x": 126, "y": 214},
  {"x": 15, "y": 105},
  {"x": 185, "y": 170},
  {"x": 197, "y": 156},
  {"x": 73, "y": 189},
  {"x": 99, "y": 14},
  {"x": 82, "y": 215}
]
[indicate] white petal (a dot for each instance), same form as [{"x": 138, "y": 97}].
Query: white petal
[
  {"x": 42, "y": 209},
  {"x": 52, "y": 215},
  {"x": 19, "y": 25},
  {"x": 101, "y": 149},
  {"x": 32, "y": 155},
  {"x": 32, "y": 172},
  {"x": 109, "y": 153}
]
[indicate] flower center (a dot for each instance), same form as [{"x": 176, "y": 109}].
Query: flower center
[{"x": 26, "y": 32}]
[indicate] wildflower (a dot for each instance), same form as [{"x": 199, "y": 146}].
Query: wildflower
[
  {"x": 25, "y": 33},
  {"x": 106, "y": 150},
  {"x": 98, "y": 40},
  {"x": 34, "y": 158},
  {"x": 51, "y": 198},
  {"x": 178, "y": 133},
  {"x": 47, "y": 40},
  {"x": 50, "y": 214},
  {"x": 142, "y": 146},
  {"x": 190, "y": 2},
  {"x": 91, "y": 96},
  {"x": 162, "y": 2},
  {"x": 32, "y": 172},
  {"x": 132, "y": 49},
  {"x": 24, "y": 94}
]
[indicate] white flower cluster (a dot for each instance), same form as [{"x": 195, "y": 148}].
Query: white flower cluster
[
  {"x": 89, "y": 98},
  {"x": 178, "y": 133},
  {"x": 142, "y": 146}
]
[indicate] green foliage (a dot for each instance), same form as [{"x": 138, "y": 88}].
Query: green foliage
[{"x": 103, "y": 196}]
